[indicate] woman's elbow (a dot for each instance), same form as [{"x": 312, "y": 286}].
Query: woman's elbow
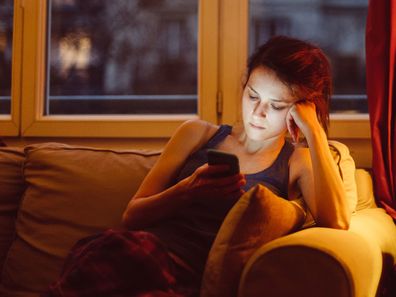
[
  {"x": 134, "y": 218},
  {"x": 341, "y": 222},
  {"x": 128, "y": 219},
  {"x": 341, "y": 225},
  {"x": 125, "y": 220},
  {"x": 343, "y": 219}
]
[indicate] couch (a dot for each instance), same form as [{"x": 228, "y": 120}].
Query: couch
[{"x": 53, "y": 194}]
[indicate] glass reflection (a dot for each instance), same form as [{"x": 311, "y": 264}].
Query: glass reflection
[{"x": 108, "y": 56}]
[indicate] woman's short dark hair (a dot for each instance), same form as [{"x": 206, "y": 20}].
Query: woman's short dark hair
[{"x": 300, "y": 65}]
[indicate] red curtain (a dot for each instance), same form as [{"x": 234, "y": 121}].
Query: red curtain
[{"x": 381, "y": 89}]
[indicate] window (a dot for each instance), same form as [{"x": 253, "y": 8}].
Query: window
[
  {"x": 9, "y": 69},
  {"x": 117, "y": 68},
  {"x": 99, "y": 68},
  {"x": 122, "y": 57},
  {"x": 6, "y": 28},
  {"x": 337, "y": 26}
]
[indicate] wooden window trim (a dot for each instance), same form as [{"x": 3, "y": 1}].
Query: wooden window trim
[{"x": 34, "y": 123}]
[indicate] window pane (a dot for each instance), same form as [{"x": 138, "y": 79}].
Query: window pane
[
  {"x": 337, "y": 26},
  {"x": 6, "y": 19},
  {"x": 122, "y": 57}
]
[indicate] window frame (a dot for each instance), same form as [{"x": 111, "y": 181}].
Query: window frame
[
  {"x": 10, "y": 124},
  {"x": 34, "y": 123}
]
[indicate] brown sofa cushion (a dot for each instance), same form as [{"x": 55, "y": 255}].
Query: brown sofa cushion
[
  {"x": 71, "y": 192},
  {"x": 11, "y": 189}
]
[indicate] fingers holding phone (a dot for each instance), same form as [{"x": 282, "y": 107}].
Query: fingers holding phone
[
  {"x": 211, "y": 182},
  {"x": 231, "y": 177},
  {"x": 216, "y": 157}
]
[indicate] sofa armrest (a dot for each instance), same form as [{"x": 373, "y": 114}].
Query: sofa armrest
[
  {"x": 313, "y": 262},
  {"x": 375, "y": 225}
]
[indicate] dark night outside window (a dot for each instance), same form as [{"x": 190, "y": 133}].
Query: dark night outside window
[{"x": 122, "y": 57}]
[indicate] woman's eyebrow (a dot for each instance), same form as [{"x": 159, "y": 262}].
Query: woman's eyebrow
[{"x": 253, "y": 90}]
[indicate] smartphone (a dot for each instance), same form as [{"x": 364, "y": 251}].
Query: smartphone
[{"x": 216, "y": 157}]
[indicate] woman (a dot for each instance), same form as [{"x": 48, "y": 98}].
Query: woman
[{"x": 180, "y": 205}]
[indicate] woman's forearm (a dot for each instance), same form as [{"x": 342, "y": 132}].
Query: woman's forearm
[
  {"x": 145, "y": 211},
  {"x": 331, "y": 205}
]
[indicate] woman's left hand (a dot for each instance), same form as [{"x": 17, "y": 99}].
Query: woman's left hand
[{"x": 301, "y": 117}]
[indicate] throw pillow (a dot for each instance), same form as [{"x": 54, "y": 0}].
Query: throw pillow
[
  {"x": 258, "y": 217},
  {"x": 365, "y": 190},
  {"x": 346, "y": 166}
]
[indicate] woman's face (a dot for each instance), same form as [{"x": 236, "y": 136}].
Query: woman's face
[{"x": 265, "y": 103}]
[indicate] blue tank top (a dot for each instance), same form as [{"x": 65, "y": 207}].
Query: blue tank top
[{"x": 190, "y": 233}]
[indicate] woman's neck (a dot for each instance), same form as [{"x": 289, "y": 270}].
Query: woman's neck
[{"x": 250, "y": 146}]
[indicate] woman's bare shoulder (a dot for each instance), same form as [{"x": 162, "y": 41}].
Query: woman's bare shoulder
[
  {"x": 300, "y": 151},
  {"x": 197, "y": 125},
  {"x": 196, "y": 132}
]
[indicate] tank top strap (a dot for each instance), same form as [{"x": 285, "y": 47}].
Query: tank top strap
[
  {"x": 276, "y": 176},
  {"x": 219, "y": 136},
  {"x": 285, "y": 153},
  {"x": 280, "y": 167}
]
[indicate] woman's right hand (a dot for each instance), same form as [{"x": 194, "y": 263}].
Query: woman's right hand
[{"x": 205, "y": 183}]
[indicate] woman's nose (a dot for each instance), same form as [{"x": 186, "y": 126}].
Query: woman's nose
[{"x": 261, "y": 109}]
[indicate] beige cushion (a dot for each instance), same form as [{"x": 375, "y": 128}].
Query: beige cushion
[
  {"x": 365, "y": 191},
  {"x": 375, "y": 225},
  {"x": 258, "y": 217},
  {"x": 346, "y": 166},
  {"x": 72, "y": 192},
  {"x": 11, "y": 189}
]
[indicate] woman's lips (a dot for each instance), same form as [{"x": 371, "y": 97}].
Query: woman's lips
[{"x": 256, "y": 126}]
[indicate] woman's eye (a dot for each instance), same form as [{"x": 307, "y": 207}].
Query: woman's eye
[
  {"x": 253, "y": 98},
  {"x": 277, "y": 107}
]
